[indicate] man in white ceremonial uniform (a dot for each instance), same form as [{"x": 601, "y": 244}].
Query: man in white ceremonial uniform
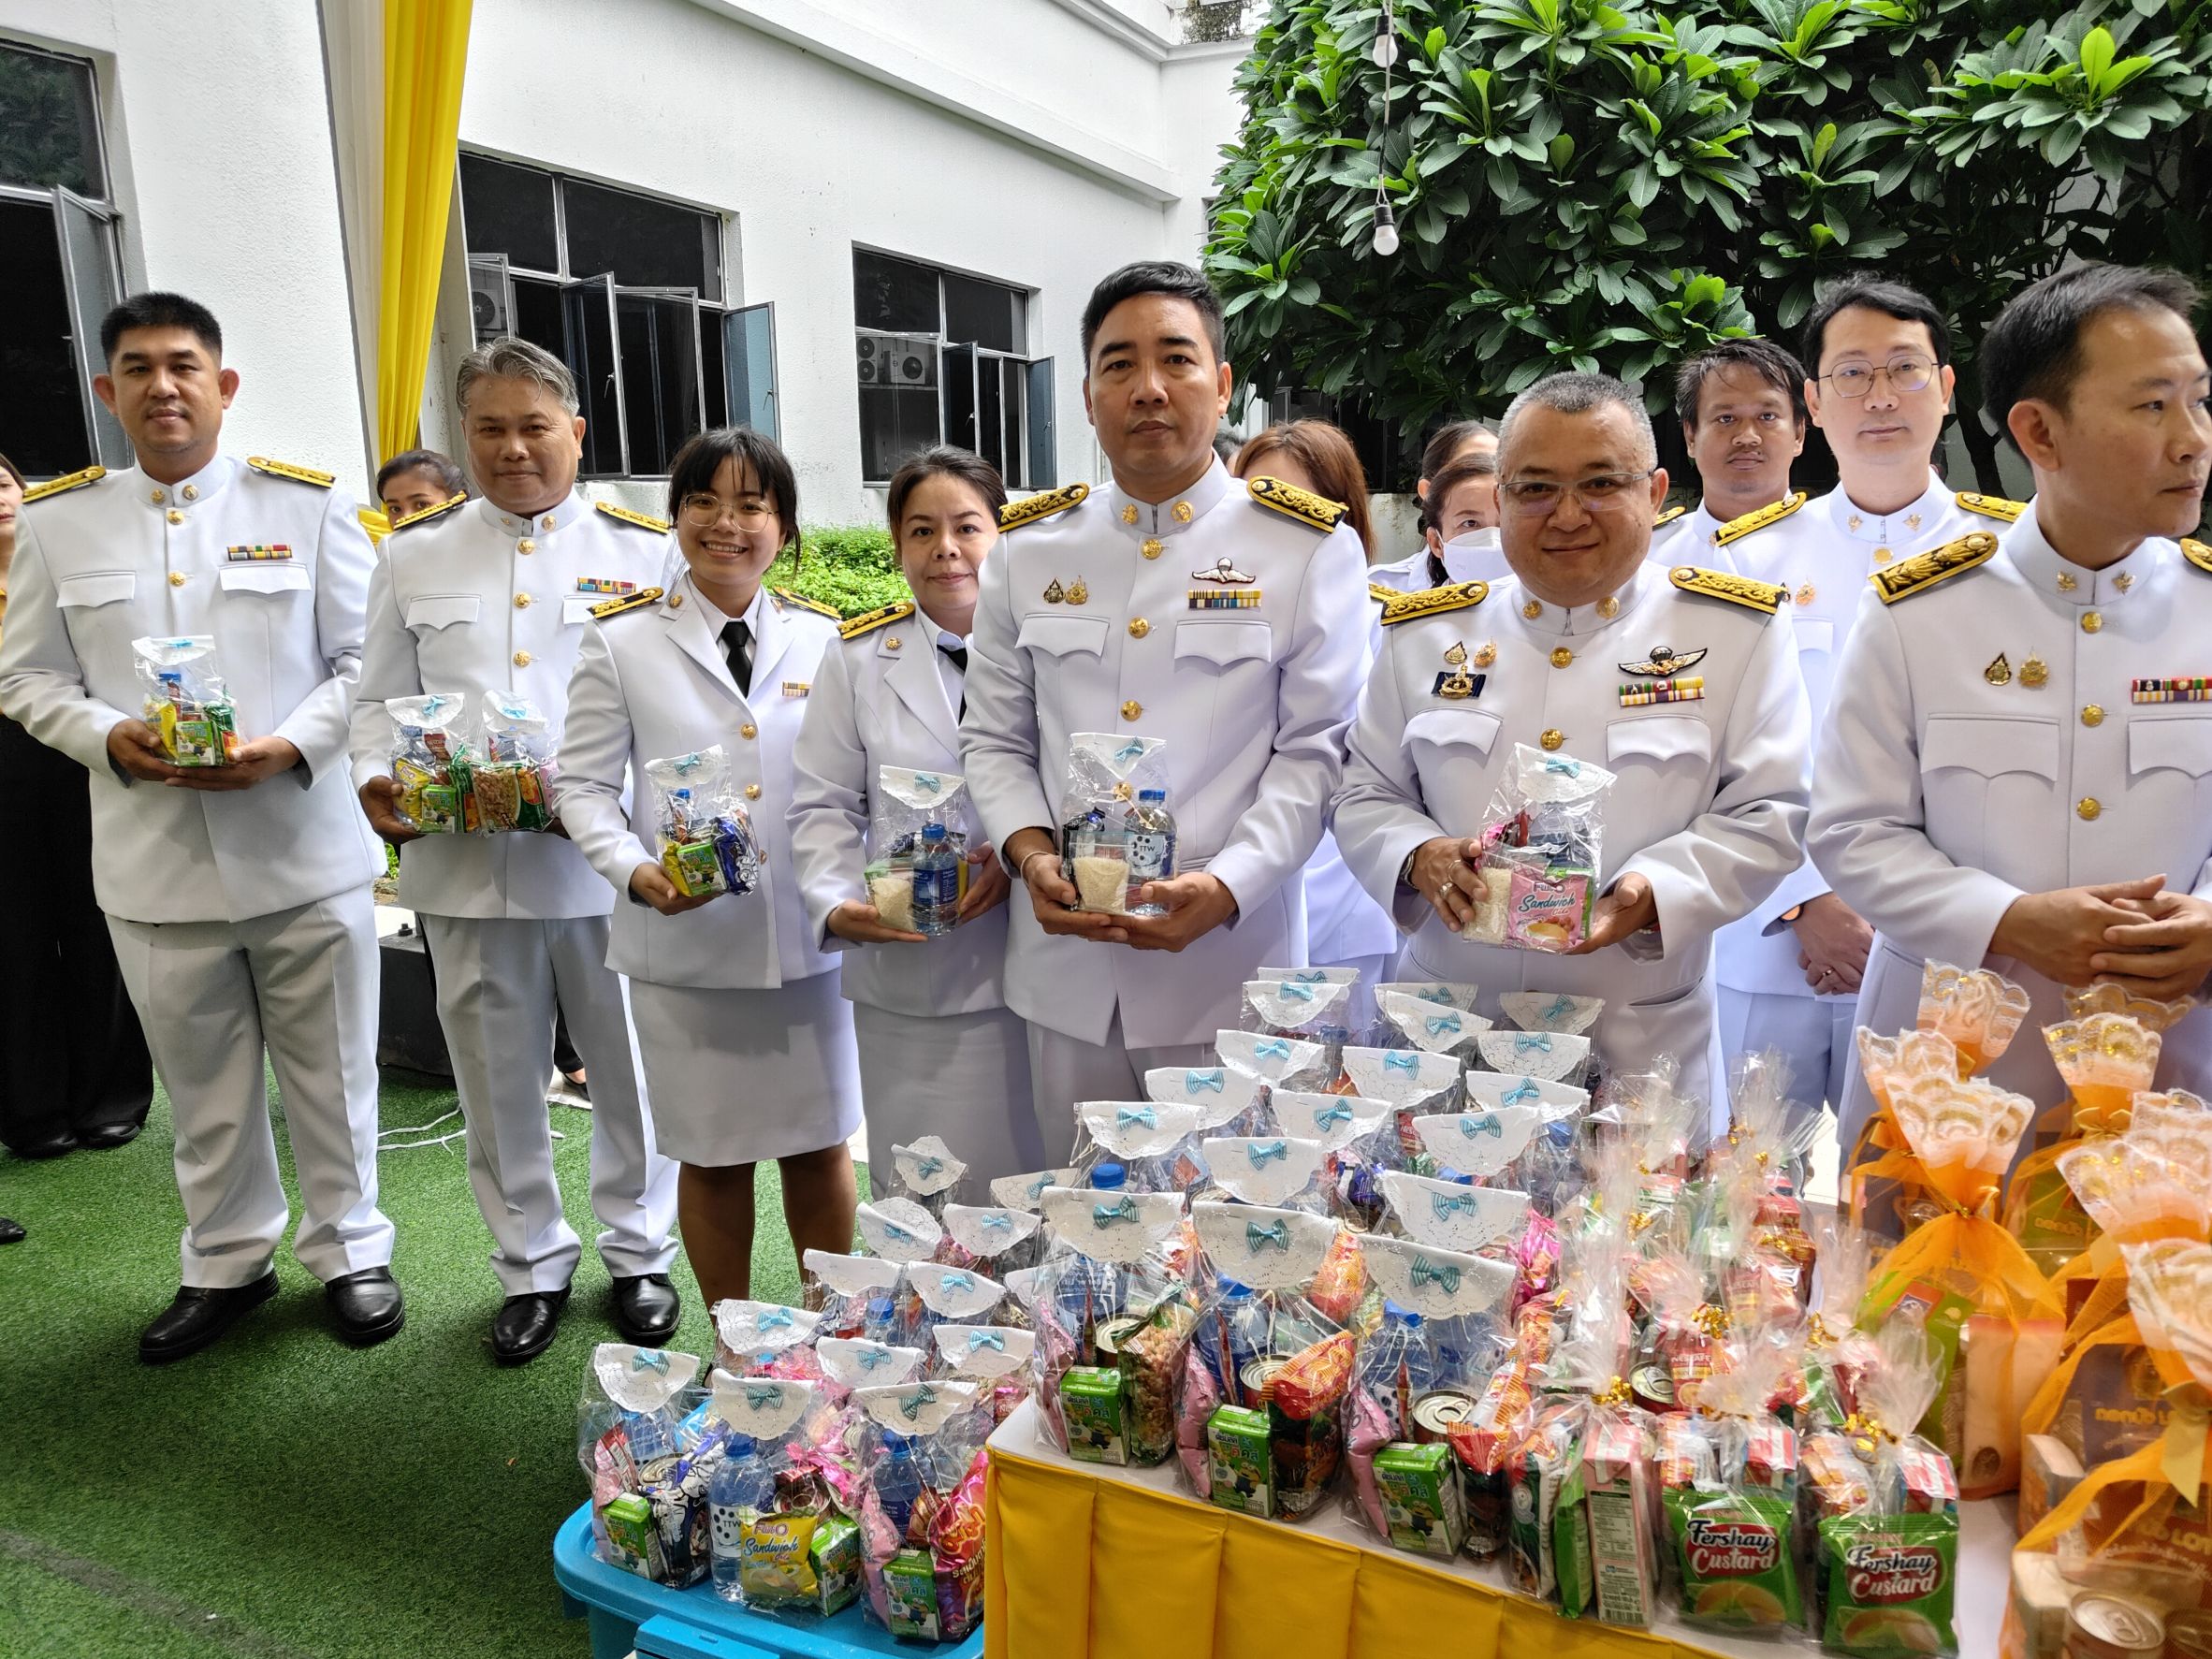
[
  {"x": 1683, "y": 684},
  {"x": 239, "y": 894},
  {"x": 493, "y": 594},
  {"x": 1742, "y": 405},
  {"x": 2017, "y": 771},
  {"x": 1879, "y": 387},
  {"x": 1226, "y": 620}
]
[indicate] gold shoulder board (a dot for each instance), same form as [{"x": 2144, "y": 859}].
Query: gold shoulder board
[
  {"x": 642, "y": 521},
  {"x": 1923, "y": 571},
  {"x": 428, "y": 513},
  {"x": 789, "y": 597},
  {"x": 1030, "y": 508},
  {"x": 1300, "y": 504},
  {"x": 1430, "y": 602},
  {"x": 2197, "y": 554},
  {"x": 1742, "y": 590},
  {"x": 277, "y": 468},
  {"x": 1990, "y": 506},
  {"x": 1668, "y": 517},
  {"x": 1381, "y": 594},
  {"x": 868, "y": 621},
  {"x": 1772, "y": 513},
  {"x": 628, "y": 602},
  {"x": 39, "y": 492}
]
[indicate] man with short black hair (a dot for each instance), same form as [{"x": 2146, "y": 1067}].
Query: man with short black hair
[
  {"x": 1228, "y": 622},
  {"x": 1742, "y": 405},
  {"x": 491, "y": 596},
  {"x": 237, "y": 890},
  {"x": 2020, "y": 775}
]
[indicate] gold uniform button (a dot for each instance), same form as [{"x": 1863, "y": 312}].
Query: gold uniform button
[
  {"x": 752, "y": 792},
  {"x": 2092, "y": 716},
  {"x": 176, "y": 578},
  {"x": 526, "y": 546},
  {"x": 175, "y": 516},
  {"x": 191, "y": 492},
  {"x": 1139, "y": 628},
  {"x": 749, "y": 730},
  {"x": 1553, "y": 738},
  {"x": 157, "y": 496},
  {"x": 2091, "y": 621},
  {"x": 1132, "y": 710},
  {"x": 1561, "y": 657},
  {"x": 1882, "y": 555},
  {"x": 1608, "y": 607},
  {"x": 2088, "y": 808},
  {"x": 522, "y": 659},
  {"x": 1153, "y": 548},
  {"x": 1532, "y": 609},
  {"x": 549, "y": 521},
  {"x": 522, "y": 602}
]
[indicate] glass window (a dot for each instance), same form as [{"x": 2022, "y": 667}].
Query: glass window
[
  {"x": 509, "y": 209},
  {"x": 49, "y": 127},
  {"x": 42, "y": 418},
  {"x": 660, "y": 390},
  {"x": 981, "y": 314},
  {"x": 893, "y": 294},
  {"x": 645, "y": 243}
]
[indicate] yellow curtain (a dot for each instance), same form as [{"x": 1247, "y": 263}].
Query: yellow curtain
[{"x": 426, "y": 53}]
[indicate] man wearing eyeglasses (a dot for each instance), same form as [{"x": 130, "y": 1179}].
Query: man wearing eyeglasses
[
  {"x": 1681, "y": 682},
  {"x": 492, "y": 594},
  {"x": 1878, "y": 385}
]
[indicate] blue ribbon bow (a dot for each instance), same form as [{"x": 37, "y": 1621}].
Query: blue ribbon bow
[
  {"x": 928, "y": 783},
  {"x": 1439, "y": 1023},
  {"x": 999, "y": 1220},
  {"x": 1332, "y": 1115},
  {"x": 1485, "y": 1124},
  {"x": 1525, "y": 1089},
  {"x": 956, "y": 1281},
  {"x": 1132, "y": 750},
  {"x": 1441, "y": 998},
  {"x": 687, "y": 765},
  {"x": 1199, "y": 1082},
  {"x": 1130, "y": 1116},
  {"x": 929, "y": 1169},
  {"x": 436, "y": 703},
  {"x": 649, "y": 1360},
  {"x": 773, "y": 1318},
  {"x": 1263, "y": 1153},
  {"x": 764, "y": 1395},
  {"x": 1036, "y": 1188},
  {"x": 1566, "y": 768},
  {"x": 1443, "y": 1205},
  {"x": 871, "y": 1357},
  {"x": 1271, "y": 1048},
  {"x": 1398, "y": 1059},
  {"x": 1107, "y": 1214},
  {"x": 1562, "y": 1005},
  {"x": 893, "y": 1230},
  {"x": 910, "y": 1407},
  {"x": 1425, "y": 1273},
  {"x": 1529, "y": 1043},
  {"x": 1276, "y": 1233},
  {"x": 1291, "y": 992},
  {"x": 1311, "y": 977},
  {"x": 985, "y": 1339}
]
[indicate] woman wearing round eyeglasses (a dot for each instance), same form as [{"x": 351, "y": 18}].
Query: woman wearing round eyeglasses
[{"x": 746, "y": 1039}]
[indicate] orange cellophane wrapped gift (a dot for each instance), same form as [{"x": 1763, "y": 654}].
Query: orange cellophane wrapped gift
[
  {"x": 2105, "y": 1061},
  {"x": 1889, "y": 1064}
]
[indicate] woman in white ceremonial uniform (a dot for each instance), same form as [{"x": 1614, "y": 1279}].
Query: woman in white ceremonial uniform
[
  {"x": 941, "y": 1054},
  {"x": 746, "y": 1041}
]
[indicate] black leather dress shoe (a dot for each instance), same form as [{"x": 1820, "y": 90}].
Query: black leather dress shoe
[
  {"x": 104, "y": 1137},
  {"x": 11, "y": 1232},
  {"x": 367, "y": 1306},
  {"x": 525, "y": 1326},
  {"x": 646, "y": 1309},
  {"x": 51, "y": 1145},
  {"x": 198, "y": 1317}
]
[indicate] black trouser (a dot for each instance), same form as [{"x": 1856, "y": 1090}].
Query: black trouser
[{"x": 71, "y": 1054}]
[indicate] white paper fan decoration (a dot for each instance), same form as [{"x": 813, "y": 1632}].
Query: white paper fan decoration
[
  {"x": 1434, "y": 1027},
  {"x": 989, "y": 1351},
  {"x": 916, "y": 1408},
  {"x": 1022, "y": 1192},
  {"x": 851, "y": 1362},
  {"x": 1401, "y": 1076},
  {"x": 1112, "y": 1226},
  {"x": 900, "y": 1229},
  {"x": 1335, "y": 1120},
  {"x": 1476, "y": 1142},
  {"x": 1215, "y": 1094},
  {"x": 1438, "y": 992},
  {"x": 1262, "y": 1169},
  {"x": 767, "y": 1408},
  {"x": 1552, "y": 1101},
  {"x": 1136, "y": 1128},
  {"x": 642, "y": 1379},
  {"x": 1453, "y": 1216},
  {"x": 852, "y": 1275},
  {"x": 986, "y": 1231},
  {"x": 1269, "y": 1058},
  {"x": 1438, "y": 1284},
  {"x": 1551, "y": 1011},
  {"x": 927, "y": 1167},
  {"x": 954, "y": 1292},
  {"x": 1545, "y": 1055},
  {"x": 1296, "y": 1006},
  {"x": 1267, "y": 1249}
]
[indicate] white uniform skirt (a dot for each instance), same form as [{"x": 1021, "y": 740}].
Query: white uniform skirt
[
  {"x": 738, "y": 1077},
  {"x": 961, "y": 1076}
]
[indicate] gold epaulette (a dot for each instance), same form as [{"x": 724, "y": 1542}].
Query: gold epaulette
[
  {"x": 1990, "y": 506},
  {"x": 2197, "y": 554},
  {"x": 1923, "y": 571},
  {"x": 277, "y": 468},
  {"x": 639, "y": 520},
  {"x": 1753, "y": 596},
  {"x": 1431, "y": 602},
  {"x": 1668, "y": 517},
  {"x": 628, "y": 602},
  {"x": 868, "y": 621},
  {"x": 1381, "y": 594},
  {"x": 1294, "y": 503},
  {"x": 1030, "y": 508},
  {"x": 414, "y": 518},
  {"x": 789, "y": 596},
  {"x": 39, "y": 492},
  {"x": 1772, "y": 513}
]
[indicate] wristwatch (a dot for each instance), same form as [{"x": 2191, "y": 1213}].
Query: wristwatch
[{"x": 1406, "y": 869}]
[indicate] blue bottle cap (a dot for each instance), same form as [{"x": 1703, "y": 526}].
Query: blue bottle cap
[
  {"x": 740, "y": 1446},
  {"x": 1111, "y": 1177},
  {"x": 932, "y": 832},
  {"x": 1152, "y": 794},
  {"x": 1404, "y": 1316},
  {"x": 1233, "y": 1291}
]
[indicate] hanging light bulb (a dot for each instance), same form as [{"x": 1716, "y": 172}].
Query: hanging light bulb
[
  {"x": 1386, "y": 40},
  {"x": 1385, "y": 228}
]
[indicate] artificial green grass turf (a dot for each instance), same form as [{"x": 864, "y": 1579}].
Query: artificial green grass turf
[{"x": 320, "y": 1501}]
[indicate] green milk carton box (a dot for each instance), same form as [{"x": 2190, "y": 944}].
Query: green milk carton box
[
  {"x": 1420, "y": 1498},
  {"x": 1091, "y": 1409},
  {"x": 1239, "y": 1460}
]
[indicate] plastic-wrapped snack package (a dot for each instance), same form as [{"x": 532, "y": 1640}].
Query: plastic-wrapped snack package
[
  {"x": 758, "y": 1338},
  {"x": 1100, "y": 848},
  {"x": 1546, "y": 1167},
  {"x": 1550, "y": 1056},
  {"x": 1222, "y": 1099},
  {"x": 1543, "y": 849},
  {"x": 922, "y": 1508},
  {"x": 780, "y": 1544},
  {"x": 1278, "y": 1062},
  {"x": 1730, "y": 1510},
  {"x": 955, "y": 1295},
  {"x": 185, "y": 701},
  {"x": 510, "y": 784},
  {"x": 1551, "y": 1011},
  {"x": 1445, "y": 1215},
  {"x": 927, "y": 1173},
  {"x": 1889, "y": 1064},
  {"x": 707, "y": 844},
  {"x": 1683, "y": 1327},
  {"x": 2105, "y": 1060},
  {"x": 917, "y": 850},
  {"x": 431, "y": 761},
  {"x": 1837, "y": 1351},
  {"x": 992, "y": 1239},
  {"x": 1600, "y": 1548},
  {"x": 1358, "y": 1141},
  {"x": 1315, "y": 1011},
  {"x": 2154, "y": 1182},
  {"x": 1413, "y": 1082},
  {"x": 646, "y": 1441},
  {"x": 1259, "y": 1416},
  {"x": 1478, "y": 1145},
  {"x": 1428, "y": 1026},
  {"x": 1115, "y": 1271},
  {"x": 997, "y": 1357},
  {"x": 1155, "y": 1145},
  {"x": 857, "y": 1295},
  {"x": 1276, "y": 1172}
]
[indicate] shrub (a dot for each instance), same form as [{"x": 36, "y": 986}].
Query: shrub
[{"x": 851, "y": 568}]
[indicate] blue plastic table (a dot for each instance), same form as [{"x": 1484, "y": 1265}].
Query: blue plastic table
[{"x": 633, "y": 1614}]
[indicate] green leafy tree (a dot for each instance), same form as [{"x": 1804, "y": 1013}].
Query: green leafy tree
[{"x": 1580, "y": 184}]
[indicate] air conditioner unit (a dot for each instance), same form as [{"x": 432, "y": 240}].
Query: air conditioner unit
[{"x": 491, "y": 300}]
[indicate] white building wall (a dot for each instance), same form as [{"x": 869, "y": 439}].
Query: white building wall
[{"x": 218, "y": 137}]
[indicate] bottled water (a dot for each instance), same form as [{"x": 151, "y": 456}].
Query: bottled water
[
  {"x": 1151, "y": 831},
  {"x": 741, "y": 1490},
  {"x": 937, "y": 883}
]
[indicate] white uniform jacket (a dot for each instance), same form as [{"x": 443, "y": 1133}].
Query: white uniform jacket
[
  {"x": 880, "y": 700},
  {"x": 1988, "y": 745},
  {"x": 650, "y": 684},
  {"x": 1230, "y": 630},
  {"x": 273, "y": 563},
  {"x": 1709, "y": 803}
]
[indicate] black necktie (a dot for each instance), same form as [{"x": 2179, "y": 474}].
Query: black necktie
[
  {"x": 959, "y": 657},
  {"x": 737, "y": 649}
]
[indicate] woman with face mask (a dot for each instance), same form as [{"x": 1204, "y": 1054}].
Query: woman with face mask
[{"x": 1459, "y": 529}]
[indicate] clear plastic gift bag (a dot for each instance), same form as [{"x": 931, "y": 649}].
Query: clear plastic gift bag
[
  {"x": 955, "y": 1294},
  {"x": 1446, "y": 1214},
  {"x": 1479, "y": 1144},
  {"x": 996, "y": 1357},
  {"x": 1225, "y": 1100},
  {"x": 1154, "y": 1146},
  {"x": 1551, "y": 1011},
  {"x": 854, "y": 1295},
  {"x": 1358, "y": 1141},
  {"x": 511, "y": 783},
  {"x": 1315, "y": 1010},
  {"x": 992, "y": 1239},
  {"x": 1550, "y": 1056},
  {"x": 1413, "y": 1082},
  {"x": 764, "y": 1339},
  {"x": 1543, "y": 849},
  {"x": 707, "y": 844},
  {"x": 1278, "y": 1062},
  {"x": 780, "y": 1545},
  {"x": 431, "y": 761},
  {"x": 1727, "y": 1481},
  {"x": 1108, "y": 848},
  {"x": 926, "y": 1172},
  {"x": 185, "y": 701},
  {"x": 1432, "y": 1028},
  {"x": 858, "y": 1363},
  {"x": 921, "y": 1506},
  {"x": 646, "y": 1440},
  {"x": 900, "y": 1230},
  {"x": 917, "y": 851},
  {"x": 1276, "y": 1171}
]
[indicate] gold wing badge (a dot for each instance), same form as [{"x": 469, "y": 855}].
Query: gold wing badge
[{"x": 1664, "y": 664}]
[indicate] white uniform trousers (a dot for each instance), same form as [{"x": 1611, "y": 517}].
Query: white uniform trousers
[
  {"x": 1064, "y": 1070},
  {"x": 961, "y": 1076},
  {"x": 302, "y": 983},
  {"x": 497, "y": 980},
  {"x": 1813, "y": 1034}
]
